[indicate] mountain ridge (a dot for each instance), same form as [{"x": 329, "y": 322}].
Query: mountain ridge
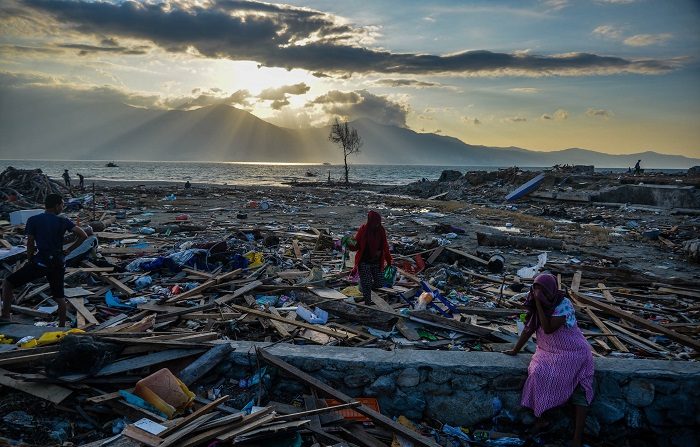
[{"x": 74, "y": 128}]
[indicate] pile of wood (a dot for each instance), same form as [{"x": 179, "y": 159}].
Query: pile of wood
[{"x": 29, "y": 186}]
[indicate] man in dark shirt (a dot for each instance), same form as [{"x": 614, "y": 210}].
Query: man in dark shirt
[
  {"x": 66, "y": 178},
  {"x": 81, "y": 184},
  {"x": 45, "y": 255}
]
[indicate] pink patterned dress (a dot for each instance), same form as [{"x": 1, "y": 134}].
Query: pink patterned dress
[{"x": 562, "y": 361}]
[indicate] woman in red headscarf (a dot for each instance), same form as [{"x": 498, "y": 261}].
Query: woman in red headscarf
[
  {"x": 561, "y": 370},
  {"x": 372, "y": 254}
]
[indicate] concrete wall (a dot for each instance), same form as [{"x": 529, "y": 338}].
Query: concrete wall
[
  {"x": 667, "y": 196},
  {"x": 656, "y": 401}
]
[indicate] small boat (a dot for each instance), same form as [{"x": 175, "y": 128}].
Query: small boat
[
  {"x": 325, "y": 163},
  {"x": 111, "y": 164},
  {"x": 311, "y": 174}
]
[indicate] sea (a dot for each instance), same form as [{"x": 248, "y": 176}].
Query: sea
[{"x": 237, "y": 173}]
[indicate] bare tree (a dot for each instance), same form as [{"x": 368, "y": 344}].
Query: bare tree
[{"x": 347, "y": 138}]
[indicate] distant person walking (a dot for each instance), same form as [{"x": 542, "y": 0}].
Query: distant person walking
[
  {"x": 188, "y": 185},
  {"x": 66, "y": 178},
  {"x": 82, "y": 182},
  {"x": 561, "y": 369},
  {"x": 637, "y": 168},
  {"x": 45, "y": 255},
  {"x": 372, "y": 254}
]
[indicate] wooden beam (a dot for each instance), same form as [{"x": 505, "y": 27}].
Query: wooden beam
[
  {"x": 378, "y": 418},
  {"x": 238, "y": 292},
  {"x": 313, "y": 327},
  {"x": 78, "y": 305},
  {"x": 47, "y": 391},
  {"x": 406, "y": 331},
  {"x": 615, "y": 311}
]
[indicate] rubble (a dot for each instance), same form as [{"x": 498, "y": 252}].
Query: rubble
[{"x": 179, "y": 274}]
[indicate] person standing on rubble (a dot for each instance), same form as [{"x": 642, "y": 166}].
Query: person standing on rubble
[
  {"x": 45, "y": 255},
  {"x": 372, "y": 255},
  {"x": 81, "y": 183},
  {"x": 637, "y": 168},
  {"x": 561, "y": 369},
  {"x": 66, "y": 178}
]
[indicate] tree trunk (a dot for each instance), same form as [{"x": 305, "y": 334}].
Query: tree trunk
[{"x": 347, "y": 175}]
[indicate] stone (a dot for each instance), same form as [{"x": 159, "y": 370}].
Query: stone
[
  {"x": 609, "y": 387},
  {"x": 666, "y": 386},
  {"x": 439, "y": 376},
  {"x": 383, "y": 385},
  {"x": 684, "y": 437},
  {"x": 609, "y": 411},
  {"x": 449, "y": 175},
  {"x": 435, "y": 389},
  {"x": 408, "y": 378},
  {"x": 410, "y": 405},
  {"x": 656, "y": 417},
  {"x": 634, "y": 418},
  {"x": 468, "y": 383},
  {"x": 592, "y": 426},
  {"x": 311, "y": 365},
  {"x": 639, "y": 393},
  {"x": 331, "y": 375},
  {"x": 508, "y": 382},
  {"x": 359, "y": 379},
  {"x": 462, "y": 408}
]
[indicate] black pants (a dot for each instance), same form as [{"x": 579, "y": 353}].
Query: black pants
[
  {"x": 53, "y": 271},
  {"x": 370, "y": 278}
]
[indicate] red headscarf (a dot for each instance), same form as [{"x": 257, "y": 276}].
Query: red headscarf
[
  {"x": 371, "y": 238},
  {"x": 550, "y": 299}
]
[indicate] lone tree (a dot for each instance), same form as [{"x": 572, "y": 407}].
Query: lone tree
[{"x": 347, "y": 138}]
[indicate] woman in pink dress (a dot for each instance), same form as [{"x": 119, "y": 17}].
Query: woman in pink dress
[{"x": 561, "y": 369}]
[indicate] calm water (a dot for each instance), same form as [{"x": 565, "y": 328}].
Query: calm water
[{"x": 237, "y": 173}]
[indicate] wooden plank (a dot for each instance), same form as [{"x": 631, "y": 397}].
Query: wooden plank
[
  {"x": 304, "y": 414},
  {"x": 47, "y": 391},
  {"x": 186, "y": 430},
  {"x": 406, "y": 331},
  {"x": 615, "y": 311},
  {"x": 313, "y": 327},
  {"x": 238, "y": 292},
  {"x": 576, "y": 281},
  {"x": 194, "y": 415},
  {"x": 78, "y": 305},
  {"x": 140, "y": 362},
  {"x": 29, "y": 359},
  {"x": 197, "y": 369},
  {"x": 378, "y": 418},
  {"x": 435, "y": 254},
  {"x": 254, "y": 423},
  {"x": 142, "y": 436},
  {"x": 280, "y": 327},
  {"x": 295, "y": 247},
  {"x": 471, "y": 257},
  {"x": 606, "y": 292},
  {"x": 117, "y": 284}
]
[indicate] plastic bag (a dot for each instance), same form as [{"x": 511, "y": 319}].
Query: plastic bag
[{"x": 390, "y": 276}]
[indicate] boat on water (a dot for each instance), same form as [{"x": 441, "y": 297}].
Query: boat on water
[
  {"x": 111, "y": 164},
  {"x": 325, "y": 163},
  {"x": 311, "y": 174}
]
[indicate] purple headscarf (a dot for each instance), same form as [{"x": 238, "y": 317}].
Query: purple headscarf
[{"x": 551, "y": 299}]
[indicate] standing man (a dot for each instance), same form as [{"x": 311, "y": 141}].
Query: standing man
[
  {"x": 66, "y": 178},
  {"x": 82, "y": 181},
  {"x": 637, "y": 168},
  {"x": 45, "y": 255}
]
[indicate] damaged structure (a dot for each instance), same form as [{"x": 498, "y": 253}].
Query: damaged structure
[{"x": 222, "y": 314}]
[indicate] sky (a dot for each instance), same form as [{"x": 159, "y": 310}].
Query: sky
[{"x": 617, "y": 76}]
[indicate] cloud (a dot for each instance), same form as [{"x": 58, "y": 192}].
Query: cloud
[
  {"x": 616, "y": 2},
  {"x": 91, "y": 49},
  {"x": 20, "y": 50},
  {"x": 555, "y": 4},
  {"x": 407, "y": 83},
  {"x": 61, "y": 87},
  {"x": 294, "y": 37},
  {"x": 599, "y": 113},
  {"x": 470, "y": 120},
  {"x": 362, "y": 104},
  {"x": 558, "y": 115},
  {"x": 526, "y": 90},
  {"x": 644, "y": 40},
  {"x": 608, "y": 31},
  {"x": 279, "y": 95},
  {"x": 515, "y": 119}
]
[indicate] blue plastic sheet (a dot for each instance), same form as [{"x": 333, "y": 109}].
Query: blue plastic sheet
[
  {"x": 133, "y": 399},
  {"x": 113, "y": 301}
]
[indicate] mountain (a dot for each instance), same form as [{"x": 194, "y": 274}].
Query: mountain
[{"x": 40, "y": 126}]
